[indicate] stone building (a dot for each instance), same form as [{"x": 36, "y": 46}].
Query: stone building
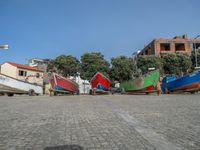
[{"x": 177, "y": 44}]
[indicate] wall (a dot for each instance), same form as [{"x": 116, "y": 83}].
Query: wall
[
  {"x": 188, "y": 45},
  {"x": 149, "y": 49},
  {"x": 9, "y": 70},
  {"x": 13, "y": 71},
  {"x": 153, "y": 48},
  {"x": 31, "y": 79}
]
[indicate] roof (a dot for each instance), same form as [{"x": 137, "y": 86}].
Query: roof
[{"x": 24, "y": 66}]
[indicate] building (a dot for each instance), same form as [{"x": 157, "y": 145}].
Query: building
[
  {"x": 22, "y": 72},
  {"x": 177, "y": 44},
  {"x": 41, "y": 64}
]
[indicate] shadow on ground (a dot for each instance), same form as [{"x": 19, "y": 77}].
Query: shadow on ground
[{"x": 65, "y": 147}]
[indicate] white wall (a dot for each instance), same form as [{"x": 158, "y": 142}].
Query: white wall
[
  {"x": 31, "y": 79},
  {"x": 9, "y": 70},
  {"x": 13, "y": 71}
]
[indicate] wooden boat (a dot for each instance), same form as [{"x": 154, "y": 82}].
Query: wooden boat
[
  {"x": 100, "y": 83},
  {"x": 190, "y": 83},
  {"x": 11, "y": 86},
  {"x": 144, "y": 83},
  {"x": 62, "y": 84}
]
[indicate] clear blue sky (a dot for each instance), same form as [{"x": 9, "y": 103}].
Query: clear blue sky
[{"x": 48, "y": 28}]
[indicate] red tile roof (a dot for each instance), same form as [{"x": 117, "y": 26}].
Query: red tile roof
[{"x": 24, "y": 66}]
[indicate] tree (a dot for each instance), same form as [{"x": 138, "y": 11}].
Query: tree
[
  {"x": 92, "y": 63},
  {"x": 193, "y": 58},
  {"x": 122, "y": 68},
  {"x": 149, "y": 61},
  {"x": 66, "y": 65},
  {"x": 178, "y": 63}
]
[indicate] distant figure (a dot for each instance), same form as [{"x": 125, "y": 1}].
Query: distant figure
[
  {"x": 159, "y": 87},
  {"x": 117, "y": 84},
  {"x": 116, "y": 88}
]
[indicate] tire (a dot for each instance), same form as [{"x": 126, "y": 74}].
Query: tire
[
  {"x": 10, "y": 94},
  {"x": 31, "y": 92},
  {"x": 78, "y": 92},
  {"x": 91, "y": 92},
  {"x": 55, "y": 93},
  {"x": 192, "y": 92}
]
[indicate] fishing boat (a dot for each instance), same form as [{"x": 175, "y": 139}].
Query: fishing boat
[
  {"x": 100, "y": 83},
  {"x": 187, "y": 83},
  {"x": 62, "y": 84},
  {"x": 11, "y": 86},
  {"x": 144, "y": 83}
]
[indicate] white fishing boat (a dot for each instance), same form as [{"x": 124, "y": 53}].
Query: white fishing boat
[{"x": 11, "y": 86}]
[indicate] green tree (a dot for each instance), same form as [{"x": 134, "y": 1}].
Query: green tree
[
  {"x": 92, "y": 63},
  {"x": 149, "y": 61},
  {"x": 178, "y": 63},
  {"x": 51, "y": 66},
  {"x": 66, "y": 65},
  {"x": 122, "y": 68},
  {"x": 193, "y": 58}
]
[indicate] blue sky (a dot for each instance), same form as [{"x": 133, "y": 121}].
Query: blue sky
[{"x": 48, "y": 28}]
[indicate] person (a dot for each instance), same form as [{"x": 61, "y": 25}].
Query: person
[
  {"x": 116, "y": 88},
  {"x": 159, "y": 86},
  {"x": 117, "y": 84}
]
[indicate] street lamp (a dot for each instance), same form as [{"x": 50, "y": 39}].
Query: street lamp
[
  {"x": 5, "y": 46},
  {"x": 195, "y": 51}
]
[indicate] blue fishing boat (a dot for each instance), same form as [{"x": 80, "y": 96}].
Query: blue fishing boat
[{"x": 187, "y": 83}]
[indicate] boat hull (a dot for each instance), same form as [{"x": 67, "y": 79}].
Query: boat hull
[
  {"x": 189, "y": 82},
  {"x": 100, "y": 82},
  {"x": 60, "y": 83},
  {"x": 11, "y": 84},
  {"x": 144, "y": 83}
]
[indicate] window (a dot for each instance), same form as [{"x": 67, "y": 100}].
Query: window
[
  {"x": 165, "y": 46},
  {"x": 22, "y": 73},
  {"x": 179, "y": 47}
]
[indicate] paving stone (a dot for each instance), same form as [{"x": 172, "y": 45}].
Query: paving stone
[{"x": 99, "y": 122}]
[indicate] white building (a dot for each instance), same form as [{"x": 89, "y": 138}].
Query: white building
[
  {"x": 39, "y": 63},
  {"x": 22, "y": 72},
  {"x": 84, "y": 85}
]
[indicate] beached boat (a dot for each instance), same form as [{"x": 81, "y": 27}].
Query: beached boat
[
  {"x": 11, "y": 86},
  {"x": 62, "y": 84},
  {"x": 190, "y": 83},
  {"x": 144, "y": 83},
  {"x": 100, "y": 83}
]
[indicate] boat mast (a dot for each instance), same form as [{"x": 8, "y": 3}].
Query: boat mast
[{"x": 136, "y": 71}]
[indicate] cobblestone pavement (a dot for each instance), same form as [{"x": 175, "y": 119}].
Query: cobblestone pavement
[{"x": 118, "y": 122}]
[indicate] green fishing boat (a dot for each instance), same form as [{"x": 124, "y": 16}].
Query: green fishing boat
[{"x": 147, "y": 82}]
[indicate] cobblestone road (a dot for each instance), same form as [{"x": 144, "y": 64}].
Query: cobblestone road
[{"x": 118, "y": 122}]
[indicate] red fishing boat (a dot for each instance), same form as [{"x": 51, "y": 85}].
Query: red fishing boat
[
  {"x": 100, "y": 83},
  {"x": 62, "y": 84}
]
